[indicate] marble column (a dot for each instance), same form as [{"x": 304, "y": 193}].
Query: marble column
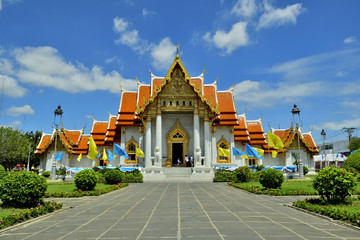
[
  {"x": 158, "y": 128},
  {"x": 196, "y": 128},
  {"x": 148, "y": 142},
  {"x": 213, "y": 148},
  {"x": 122, "y": 144},
  {"x": 207, "y": 141}
]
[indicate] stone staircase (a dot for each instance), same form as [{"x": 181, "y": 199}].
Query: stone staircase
[{"x": 178, "y": 174}]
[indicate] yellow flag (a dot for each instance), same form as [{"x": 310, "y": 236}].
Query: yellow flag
[
  {"x": 93, "y": 153},
  {"x": 274, "y": 141},
  {"x": 224, "y": 152},
  {"x": 104, "y": 156},
  {"x": 260, "y": 151},
  {"x": 139, "y": 152},
  {"x": 274, "y": 154},
  {"x": 79, "y": 157}
]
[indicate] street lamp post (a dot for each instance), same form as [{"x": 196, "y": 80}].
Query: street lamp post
[
  {"x": 296, "y": 111},
  {"x": 31, "y": 135},
  {"x": 323, "y": 135},
  {"x": 57, "y": 112}
]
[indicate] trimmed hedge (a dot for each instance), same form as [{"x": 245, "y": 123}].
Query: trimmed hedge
[
  {"x": 113, "y": 176},
  {"x": 315, "y": 205},
  {"x": 80, "y": 193},
  {"x": 86, "y": 180},
  {"x": 22, "y": 189},
  {"x": 353, "y": 161},
  {"x": 40, "y": 209},
  {"x": 334, "y": 184},
  {"x": 271, "y": 178},
  {"x": 242, "y": 174},
  {"x": 3, "y": 172}
]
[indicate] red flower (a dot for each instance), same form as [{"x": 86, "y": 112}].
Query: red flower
[{"x": 343, "y": 173}]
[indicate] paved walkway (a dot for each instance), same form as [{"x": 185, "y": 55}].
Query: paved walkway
[{"x": 180, "y": 211}]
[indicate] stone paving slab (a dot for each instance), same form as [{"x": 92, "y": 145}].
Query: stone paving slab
[{"x": 195, "y": 210}]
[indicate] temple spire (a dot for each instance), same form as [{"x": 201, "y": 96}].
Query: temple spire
[{"x": 177, "y": 49}]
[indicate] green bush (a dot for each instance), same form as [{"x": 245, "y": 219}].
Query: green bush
[
  {"x": 61, "y": 171},
  {"x": 113, "y": 176},
  {"x": 3, "y": 172},
  {"x": 96, "y": 168},
  {"x": 259, "y": 167},
  {"x": 133, "y": 177},
  {"x": 46, "y": 174},
  {"x": 255, "y": 176},
  {"x": 242, "y": 174},
  {"x": 334, "y": 184},
  {"x": 271, "y": 178},
  {"x": 223, "y": 175},
  {"x": 22, "y": 189},
  {"x": 100, "y": 177},
  {"x": 354, "y": 171},
  {"x": 305, "y": 170},
  {"x": 353, "y": 161},
  {"x": 86, "y": 180}
]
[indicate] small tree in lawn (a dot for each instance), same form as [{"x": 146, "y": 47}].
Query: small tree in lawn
[{"x": 296, "y": 161}]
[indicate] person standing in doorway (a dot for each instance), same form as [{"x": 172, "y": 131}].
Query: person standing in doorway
[
  {"x": 191, "y": 161},
  {"x": 187, "y": 161},
  {"x": 178, "y": 162}
]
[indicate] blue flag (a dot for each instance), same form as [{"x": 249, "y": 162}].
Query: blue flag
[
  {"x": 110, "y": 155},
  {"x": 58, "y": 156},
  {"x": 237, "y": 152},
  {"x": 120, "y": 151},
  {"x": 251, "y": 152}
]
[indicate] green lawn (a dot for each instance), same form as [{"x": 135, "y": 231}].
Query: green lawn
[
  {"x": 7, "y": 211},
  {"x": 70, "y": 187}
]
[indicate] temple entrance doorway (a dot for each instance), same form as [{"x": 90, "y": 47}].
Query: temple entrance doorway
[
  {"x": 177, "y": 153},
  {"x": 178, "y": 144}
]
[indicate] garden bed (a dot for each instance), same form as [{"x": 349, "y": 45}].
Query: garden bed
[{"x": 66, "y": 190}]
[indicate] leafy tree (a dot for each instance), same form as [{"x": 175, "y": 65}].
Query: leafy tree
[
  {"x": 34, "y": 141},
  {"x": 354, "y": 144},
  {"x": 296, "y": 159},
  {"x": 14, "y": 147}
]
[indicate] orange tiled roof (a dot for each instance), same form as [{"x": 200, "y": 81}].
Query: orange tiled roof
[
  {"x": 70, "y": 139},
  {"x": 198, "y": 84},
  {"x": 126, "y": 115},
  {"x": 256, "y": 132},
  {"x": 155, "y": 84},
  {"x": 209, "y": 93},
  {"x": 144, "y": 93},
  {"x": 227, "y": 116},
  {"x": 98, "y": 132}
]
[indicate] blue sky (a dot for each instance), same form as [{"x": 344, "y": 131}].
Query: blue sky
[{"x": 277, "y": 53}]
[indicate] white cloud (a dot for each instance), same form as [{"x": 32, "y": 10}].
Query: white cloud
[
  {"x": 229, "y": 41},
  {"x": 45, "y": 67},
  {"x": 339, "y": 125},
  {"x": 11, "y": 87},
  {"x": 148, "y": 13},
  {"x": 113, "y": 59},
  {"x": 163, "y": 54},
  {"x": 244, "y": 8},
  {"x": 258, "y": 94},
  {"x": 120, "y": 25},
  {"x": 6, "y": 66},
  {"x": 339, "y": 74},
  {"x": 279, "y": 16},
  {"x": 130, "y": 37},
  {"x": 15, "y": 124},
  {"x": 350, "y": 39},
  {"x": 17, "y": 111},
  {"x": 0, "y": 5}
]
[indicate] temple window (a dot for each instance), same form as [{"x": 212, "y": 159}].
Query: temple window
[
  {"x": 183, "y": 103},
  {"x": 164, "y": 104},
  {"x": 177, "y": 135},
  {"x": 225, "y": 145},
  {"x": 177, "y": 103},
  {"x": 190, "y": 103},
  {"x": 170, "y": 103},
  {"x": 252, "y": 161},
  {"x": 131, "y": 152}
]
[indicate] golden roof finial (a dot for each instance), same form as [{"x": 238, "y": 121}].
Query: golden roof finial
[
  {"x": 121, "y": 86},
  {"x": 204, "y": 70},
  {"x": 177, "y": 49},
  {"x": 137, "y": 80},
  {"x": 217, "y": 78},
  {"x": 232, "y": 88},
  {"x": 270, "y": 127},
  {"x": 150, "y": 70},
  {"x": 245, "y": 111},
  {"x": 108, "y": 113}
]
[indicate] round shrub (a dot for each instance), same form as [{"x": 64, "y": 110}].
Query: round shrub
[
  {"x": 305, "y": 170},
  {"x": 3, "y": 173},
  {"x": 271, "y": 178},
  {"x": 113, "y": 176},
  {"x": 85, "y": 180},
  {"x": 242, "y": 174},
  {"x": 334, "y": 184},
  {"x": 46, "y": 174},
  {"x": 353, "y": 161},
  {"x": 22, "y": 189}
]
